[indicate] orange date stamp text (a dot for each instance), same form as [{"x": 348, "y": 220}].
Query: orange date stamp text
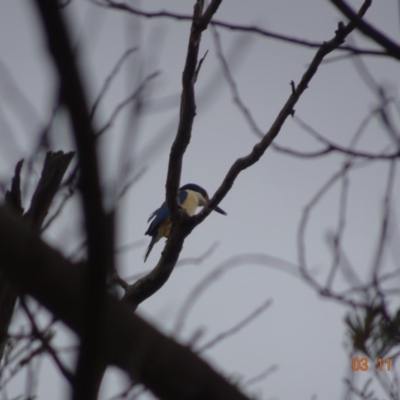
[{"x": 362, "y": 364}]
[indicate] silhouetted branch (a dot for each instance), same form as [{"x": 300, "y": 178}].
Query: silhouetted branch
[
  {"x": 129, "y": 183},
  {"x": 57, "y": 212},
  {"x": 109, "y": 79},
  {"x": 263, "y": 375},
  {"x": 239, "y": 326},
  {"x": 13, "y": 196},
  {"x": 302, "y": 154},
  {"x": 323, "y": 290},
  {"x": 22, "y": 362},
  {"x": 54, "y": 168},
  {"x": 152, "y": 282},
  {"x": 384, "y": 223},
  {"x": 220, "y": 270},
  {"x": 128, "y": 341},
  {"x": 330, "y": 147},
  {"x": 98, "y": 225},
  {"x": 338, "y": 236},
  {"x": 368, "y": 30},
  {"x": 340, "y": 149},
  {"x": 125, "y": 102},
  {"x": 233, "y": 87},
  {"x": 180, "y": 263},
  {"x": 55, "y": 165},
  {"x": 233, "y": 27},
  {"x": 8, "y": 299},
  {"x": 259, "y": 149},
  {"x": 188, "y": 104},
  {"x": 45, "y": 340}
]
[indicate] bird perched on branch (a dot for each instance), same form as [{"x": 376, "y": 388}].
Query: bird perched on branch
[{"x": 190, "y": 197}]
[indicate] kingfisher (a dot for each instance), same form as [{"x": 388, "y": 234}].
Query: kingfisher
[{"x": 190, "y": 197}]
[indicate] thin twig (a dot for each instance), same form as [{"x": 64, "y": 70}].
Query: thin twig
[
  {"x": 263, "y": 375},
  {"x": 233, "y": 87},
  {"x": 46, "y": 345},
  {"x": 235, "y": 27},
  {"x": 125, "y": 102},
  {"x": 220, "y": 270},
  {"x": 109, "y": 79},
  {"x": 236, "y": 328}
]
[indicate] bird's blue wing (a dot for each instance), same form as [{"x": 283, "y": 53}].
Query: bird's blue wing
[
  {"x": 152, "y": 215},
  {"x": 162, "y": 214},
  {"x": 159, "y": 215}
]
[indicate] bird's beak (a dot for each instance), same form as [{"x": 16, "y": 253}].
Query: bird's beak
[
  {"x": 217, "y": 209},
  {"x": 220, "y": 210}
]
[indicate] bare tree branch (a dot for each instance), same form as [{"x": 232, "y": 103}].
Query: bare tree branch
[
  {"x": 340, "y": 149},
  {"x": 265, "y": 374},
  {"x": 368, "y": 30},
  {"x": 233, "y": 27},
  {"x": 125, "y": 102},
  {"x": 259, "y": 149},
  {"x": 220, "y": 270},
  {"x": 151, "y": 283},
  {"x": 97, "y": 225},
  {"x": 128, "y": 341},
  {"x": 109, "y": 79},
  {"x": 45, "y": 343},
  {"x": 239, "y": 326},
  {"x": 188, "y": 104},
  {"x": 232, "y": 85},
  {"x": 385, "y": 222},
  {"x": 148, "y": 285},
  {"x": 13, "y": 196},
  {"x": 54, "y": 168}
]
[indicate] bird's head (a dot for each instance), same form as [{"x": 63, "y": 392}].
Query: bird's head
[{"x": 203, "y": 196}]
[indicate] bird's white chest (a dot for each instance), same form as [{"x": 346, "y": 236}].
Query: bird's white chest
[{"x": 191, "y": 202}]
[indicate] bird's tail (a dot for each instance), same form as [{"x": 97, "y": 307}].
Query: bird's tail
[{"x": 152, "y": 243}]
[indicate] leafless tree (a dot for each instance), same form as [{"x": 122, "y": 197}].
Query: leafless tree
[{"x": 75, "y": 290}]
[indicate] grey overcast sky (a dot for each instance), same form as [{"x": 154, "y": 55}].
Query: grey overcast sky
[{"x": 300, "y": 332}]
